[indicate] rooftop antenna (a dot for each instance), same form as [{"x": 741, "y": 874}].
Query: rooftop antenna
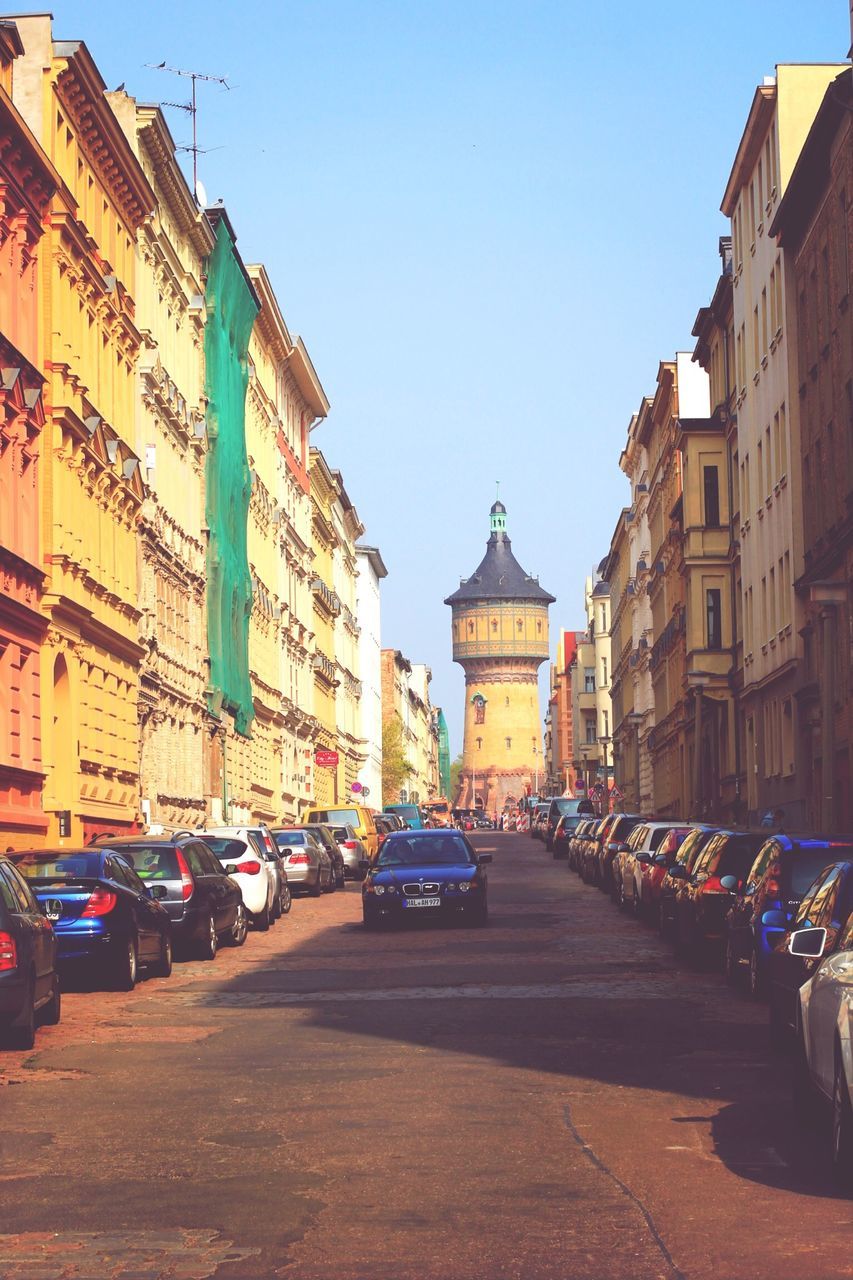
[{"x": 191, "y": 109}]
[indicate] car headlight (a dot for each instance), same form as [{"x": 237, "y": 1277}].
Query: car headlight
[
  {"x": 391, "y": 888},
  {"x": 377, "y": 888},
  {"x": 450, "y": 886},
  {"x": 464, "y": 886}
]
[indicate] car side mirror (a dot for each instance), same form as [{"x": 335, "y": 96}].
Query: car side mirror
[
  {"x": 621, "y": 847},
  {"x": 643, "y": 858},
  {"x": 484, "y": 857},
  {"x": 678, "y": 871},
  {"x": 231, "y": 869},
  {"x": 158, "y": 892},
  {"x": 775, "y": 919},
  {"x": 807, "y": 942},
  {"x": 730, "y": 883},
  {"x": 660, "y": 860}
]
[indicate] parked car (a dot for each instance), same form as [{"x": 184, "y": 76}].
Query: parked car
[
  {"x": 589, "y": 854},
  {"x": 326, "y": 838},
  {"x": 576, "y": 843},
  {"x": 673, "y": 882},
  {"x": 29, "y": 979},
  {"x": 426, "y": 873},
  {"x": 565, "y": 830},
  {"x": 261, "y": 839},
  {"x": 824, "y": 914},
  {"x": 642, "y": 843},
  {"x": 204, "y": 905},
  {"x": 539, "y": 819},
  {"x": 651, "y": 871},
  {"x": 308, "y": 865},
  {"x": 101, "y": 912},
  {"x": 356, "y": 815},
  {"x": 783, "y": 870},
  {"x": 439, "y": 813},
  {"x": 705, "y": 896},
  {"x": 352, "y": 850},
  {"x": 617, "y": 834},
  {"x": 824, "y": 1021},
  {"x": 385, "y": 823},
  {"x": 559, "y": 807},
  {"x": 243, "y": 863}
]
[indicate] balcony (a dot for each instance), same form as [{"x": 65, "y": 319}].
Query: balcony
[
  {"x": 324, "y": 668},
  {"x": 326, "y": 597}
]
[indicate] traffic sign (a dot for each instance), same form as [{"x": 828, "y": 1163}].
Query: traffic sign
[
  {"x": 326, "y": 759},
  {"x": 356, "y": 787}
]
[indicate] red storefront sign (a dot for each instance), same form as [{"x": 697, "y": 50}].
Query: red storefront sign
[{"x": 326, "y": 759}]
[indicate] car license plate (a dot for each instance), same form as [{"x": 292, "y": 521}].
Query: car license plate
[{"x": 422, "y": 902}]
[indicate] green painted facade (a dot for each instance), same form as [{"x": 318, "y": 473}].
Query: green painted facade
[
  {"x": 443, "y": 755},
  {"x": 231, "y": 309}
]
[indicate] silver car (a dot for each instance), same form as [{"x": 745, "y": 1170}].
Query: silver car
[
  {"x": 306, "y": 862},
  {"x": 352, "y": 850}
]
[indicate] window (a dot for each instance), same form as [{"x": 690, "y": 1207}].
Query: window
[
  {"x": 771, "y": 596},
  {"x": 780, "y": 317},
  {"x": 604, "y": 673},
  {"x": 763, "y": 610},
  {"x": 589, "y": 730},
  {"x": 605, "y": 718},
  {"x": 760, "y": 469},
  {"x": 768, "y": 458},
  {"x": 479, "y": 744},
  {"x": 772, "y": 176},
  {"x": 764, "y": 321},
  {"x": 712, "y": 496},
  {"x": 773, "y": 321},
  {"x": 479, "y": 709},
  {"x": 752, "y": 214},
  {"x": 760, "y": 193},
  {"x": 756, "y": 349},
  {"x": 589, "y": 680},
  {"x": 508, "y": 743},
  {"x": 714, "y": 618},
  {"x": 843, "y": 241}
]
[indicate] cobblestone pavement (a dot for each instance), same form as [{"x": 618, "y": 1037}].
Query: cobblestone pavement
[{"x": 551, "y": 1097}]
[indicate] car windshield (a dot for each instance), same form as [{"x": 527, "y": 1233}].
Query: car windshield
[
  {"x": 341, "y": 834},
  {"x": 283, "y": 838},
  {"x": 334, "y": 816},
  {"x": 404, "y": 810},
  {"x": 151, "y": 862},
  {"x": 807, "y": 864},
  {"x": 445, "y": 851},
  {"x": 566, "y": 804},
  {"x": 224, "y": 849},
  {"x": 58, "y": 866}
]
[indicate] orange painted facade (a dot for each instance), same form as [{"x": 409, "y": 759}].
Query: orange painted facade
[{"x": 27, "y": 182}]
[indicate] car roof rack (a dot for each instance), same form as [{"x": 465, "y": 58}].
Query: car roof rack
[
  {"x": 102, "y": 835},
  {"x": 183, "y": 831}
]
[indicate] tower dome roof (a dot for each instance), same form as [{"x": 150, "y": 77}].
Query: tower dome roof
[{"x": 499, "y": 576}]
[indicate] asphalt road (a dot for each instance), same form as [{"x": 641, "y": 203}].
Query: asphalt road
[{"x": 550, "y": 1097}]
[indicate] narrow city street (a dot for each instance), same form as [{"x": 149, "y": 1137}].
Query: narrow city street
[{"x": 550, "y": 1097}]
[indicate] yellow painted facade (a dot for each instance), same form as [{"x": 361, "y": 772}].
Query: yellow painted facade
[
  {"x": 326, "y": 608},
  {"x": 350, "y": 744},
  {"x": 92, "y": 482},
  {"x": 171, "y": 444}
]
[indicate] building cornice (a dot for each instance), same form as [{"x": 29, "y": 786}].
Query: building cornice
[
  {"x": 156, "y": 139},
  {"x": 82, "y": 92},
  {"x": 746, "y": 156}
]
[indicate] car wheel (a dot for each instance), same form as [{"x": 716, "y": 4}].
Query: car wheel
[
  {"x": 276, "y": 907},
  {"x": 126, "y": 969},
  {"x": 842, "y": 1126},
  {"x": 163, "y": 967},
  {"x": 317, "y": 888},
  {"x": 51, "y": 1013},
  {"x": 802, "y": 1093},
  {"x": 21, "y": 1034},
  {"x": 369, "y": 921},
  {"x": 636, "y": 904},
  {"x": 730, "y": 964},
  {"x": 262, "y": 919},
  {"x": 286, "y": 899},
  {"x": 210, "y": 942},
  {"x": 756, "y": 977},
  {"x": 332, "y": 885},
  {"x": 240, "y": 927},
  {"x": 342, "y": 880},
  {"x": 620, "y": 895}
]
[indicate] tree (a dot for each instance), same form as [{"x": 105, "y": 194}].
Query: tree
[
  {"x": 395, "y": 767},
  {"x": 455, "y": 770}
]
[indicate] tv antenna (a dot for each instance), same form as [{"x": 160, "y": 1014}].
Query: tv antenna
[{"x": 191, "y": 110}]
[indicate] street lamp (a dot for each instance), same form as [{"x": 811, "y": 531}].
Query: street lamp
[{"x": 605, "y": 741}]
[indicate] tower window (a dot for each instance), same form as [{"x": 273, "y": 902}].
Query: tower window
[
  {"x": 479, "y": 743},
  {"x": 470, "y": 628},
  {"x": 508, "y": 743},
  {"x": 479, "y": 709},
  {"x": 518, "y": 623},
  {"x": 494, "y": 624},
  {"x": 539, "y": 627}
]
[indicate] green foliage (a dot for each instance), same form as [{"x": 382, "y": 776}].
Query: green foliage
[
  {"x": 455, "y": 770},
  {"x": 395, "y": 767}
]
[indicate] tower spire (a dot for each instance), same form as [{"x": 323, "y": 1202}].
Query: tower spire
[{"x": 497, "y": 516}]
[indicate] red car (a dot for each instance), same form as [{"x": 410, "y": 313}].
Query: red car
[{"x": 653, "y": 872}]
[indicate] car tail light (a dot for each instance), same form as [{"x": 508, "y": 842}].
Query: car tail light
[
  {"x": 712, "y": 885},
  {"x": 350, "y": 844},
  {"x": 249, "y": 868},
  {"x": 8, "y": 952},
  {"x": 187, "y": 885},
  {"x": 268, "y": 845},
  {"x": 299, "y": 857},
  {"x": 100, "y": 903}
]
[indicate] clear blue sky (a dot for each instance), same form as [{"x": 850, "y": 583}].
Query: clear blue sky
[{"x": 489, "y": 221}]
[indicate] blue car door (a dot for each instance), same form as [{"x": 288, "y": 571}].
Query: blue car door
[{"x": 145, "y": 914}]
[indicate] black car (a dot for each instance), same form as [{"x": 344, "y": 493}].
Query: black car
[
  {"x": 783, "y": 871},
  {"x": 606, "y": 849},
  {"x": 560, "y": 807},
  {"x": 203, "y": 903},
  {"x": 428, "y": 874},
  {"x": 678, "y": 874},
  {"x": 103, "y": 916},
  {"x": 826, "y": 906},
  {"x": 29, "y": 982},
  {"x": 707, "y": 891}
]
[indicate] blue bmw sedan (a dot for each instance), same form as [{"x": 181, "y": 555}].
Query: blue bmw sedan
[{"x": 425, "y": 873}]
